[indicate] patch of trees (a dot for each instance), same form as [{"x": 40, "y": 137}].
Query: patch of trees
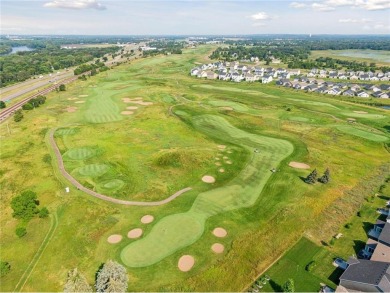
[
  {"x": 313, "y": 177},
  {"x": 24, "y": 65},
  {"x": 25, "y": 208},
  {"x": 34, "y": 103},
  {"x": 111, "y": 277},
  {"x": 164, "y": 47},
  {"x": 18, "y": 116},
  {"x": 90, "y": 67},
  {"x": 5, "y": 268},
  {"x": 289, "y": 286},
  {"x": 2, "y": 105}
]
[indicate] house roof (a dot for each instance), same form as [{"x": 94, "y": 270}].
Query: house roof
[
  {"x": 381, "y": 253},
  {"x": 385, "y": 234},
  {"x": 366, "y": 271}
]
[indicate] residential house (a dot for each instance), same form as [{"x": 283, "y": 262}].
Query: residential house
[
  {"x": 211, "y": 75},
  {"x": 349, "y": 93},
  {"x": 266, "y": 79},
  {"x": 250, "y": 77},
  {"x": 365, "y": 276},
  {"x": 335, "y": 91},
  {"x": 295, "y": 72},
  {"x": 311, "y": 87},
  {"x": 202, "y": 74},
  {"x": 355, "y": 88},
  {"x": 195, "y": 71},
  {"x": 380, "y": 94},
  {"x": 362, "y": 94}
]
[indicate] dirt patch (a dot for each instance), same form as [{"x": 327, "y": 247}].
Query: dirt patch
[
  {"x": 220, "y": 232},
  {"x": 351, "y": 119},
  {"x": 208, "y": 179},
  {"x": 221, "y": 170},
  {"x": 80, "y": 102},
  {"x": 138, "y": 101},
  {"x": 147, "y": 219},
  {"x": 298, "y": 165},
  {"x": 225, "y": 158},
  {"x": 217, "y": 248},
  {"x": 72, "y": 99},
  {"x": 226, "y": 108},
  {"x": 127, "y": 112},
  {"x": 360, "y": 112},
  {"x": 132, "y": 108},
  {"x": 115, "y": 238},
  {"x": 217, "y": 159},
  {"x": 218, "y": 164},
  {"x": 135, "y": 233},
  {"x": 83, "y": 96},
  {"x": 229, "y": 162},
  {"x": 222, "y": 147},
  {"x": 229, "y": 152},
  {"x": 186, "y": 262},
  {"x": 71, "y": 109}
]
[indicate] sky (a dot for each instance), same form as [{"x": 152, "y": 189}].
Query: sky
[{"x": 194, "y": 17}]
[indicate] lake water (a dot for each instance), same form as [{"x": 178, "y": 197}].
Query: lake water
[
  {"x": 385, "y": 107},
  {"x": 378, "y": 55},
  {"x": 20, "y": 49}
]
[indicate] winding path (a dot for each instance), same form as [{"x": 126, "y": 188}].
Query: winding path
[{"x": 81, "y": 187}]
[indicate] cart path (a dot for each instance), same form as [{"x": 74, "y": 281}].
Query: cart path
[{"x": 81, "y": 187}]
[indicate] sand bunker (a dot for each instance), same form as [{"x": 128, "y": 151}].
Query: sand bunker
[
  {"x": 147, "y": 219},
  {"x": 115, "y": 238},
  {"x": 298, "y": 165},
  {"x": 351, "y": 119},
  {"x": 135, "y": 233},
  {"x": 222, "y": 147},
  {"x": 221, "y": 170},
  {"x": 229, "y": 162},
  {"x": 186, "y": 262},
  {"x": 132, "y": 108},
  {"x": 217, "y": 248},
  {"x": 225, "y": 158},
  {"x": 229, "y": 152},
  {"x": 208, "y": 179},
  {"x": 360, "y": 112},
  {"x": 80, "y": 102},
  {"x": 220, "y": 232},
  {"x": 217, "y": 159},
  {"x": 127, "y": 112},
  {"x": 72, "y": 99},
  {"x": 71, "y": 109},
  {"x": 226, "y": 108},
  {"x": 218, "y": 164},
  {"x": 138, "y": 101},
  {"x": 83, "y": 96}
]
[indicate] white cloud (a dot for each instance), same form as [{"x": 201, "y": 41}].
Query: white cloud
[
  {"x": 260, "y": 16},
  {"x": 373, "y": 4},
  {"x": 322, "y": 7},
  {"x": 351, "y": 20},
  {"x": 75, "y": 4},
  {"x": 297, "y": 5},
  {"x": 339, "y": 2}
]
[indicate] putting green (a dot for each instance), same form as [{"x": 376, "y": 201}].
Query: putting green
[
  {"x": 180, "y": 230},
  {"x": 114, "y": 184},
  {"x": 236, "y": 106},
  {"x": 80, "y": 153},
  {"x": 93, "y": 170},
  {"x": 103, "y": 109},
  {"x": 362, "y": 133},
  {"x": 364, "y": 115}
]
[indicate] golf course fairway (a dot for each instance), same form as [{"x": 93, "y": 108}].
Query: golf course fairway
[{"x": 177, "y": 231}]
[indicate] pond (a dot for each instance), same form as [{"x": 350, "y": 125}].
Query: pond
[{"x": 20, "y": 49}]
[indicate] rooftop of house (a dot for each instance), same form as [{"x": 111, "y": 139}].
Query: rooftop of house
[
  {"x": 366, "y": 271},
  {"x": 384, "y": 237},
  {"x": 381, "y": 253}
]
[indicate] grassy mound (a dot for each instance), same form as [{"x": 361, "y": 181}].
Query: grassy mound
[
  {"x": 178, "y": 158},
  {"x": 66, "y": 131},
  {"x": 298, "y": 119},
  {"x": 361, "y": 133},
  {"x": 93, "y": 170},
  {"x": 363, "y": 115},
  {"x": 114, "y": 184},
  {"x": 80, "y": 153}
]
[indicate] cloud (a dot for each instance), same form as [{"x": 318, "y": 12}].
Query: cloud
[
  {"x": 351, "y": 20},
  {"x": 75, "y": 4},
  {"x": 261, "y": 16},
  {"x": 322, "y": 7},
  {"x": 298, "y": 5},
  {"x": 373, "y": 4}
]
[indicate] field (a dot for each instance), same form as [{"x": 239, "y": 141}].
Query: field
[
  {"x": 381, "y": 58},
  {"x": 146, "y": 130}
]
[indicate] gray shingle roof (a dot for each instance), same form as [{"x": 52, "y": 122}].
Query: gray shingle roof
[
  {"x": 365, "y": 271},
  {"x": 385, "y": 234}
]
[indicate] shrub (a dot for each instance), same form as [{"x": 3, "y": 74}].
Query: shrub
[
  {"x": 46, "y": 159},
  {"x": 332, "y": 241},
  {"x": 348, "y": 225},
  {"x": 44, "y": 212},
  {"x": 5, "y": 267},
  {"x": 20, "y": 231},
  {"x": 18, "y": 116},
  {"x": 310, "y": 266},
  {"x": 27, "y": 106}
]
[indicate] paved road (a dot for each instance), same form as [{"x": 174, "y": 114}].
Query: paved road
[{"x": 79, "y": 186}]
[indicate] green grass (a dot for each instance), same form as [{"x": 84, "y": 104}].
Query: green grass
[
  {"x": 362, "y": 133},
  {"x": 113, "y": 184},
  {"x": 80, "y": 153},
  {"x": 364, "y": 115},
  {"x": 369, "y": 56},
  {"x": 93, "y": 170}
]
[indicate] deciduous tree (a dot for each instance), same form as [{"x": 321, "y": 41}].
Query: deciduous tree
[
  {"x": 111, "y": 278},
  {"x": 76, "y": 282}
]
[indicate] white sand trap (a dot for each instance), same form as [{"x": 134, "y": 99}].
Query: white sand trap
[
  {"x": 217, "y": 248},
  {"x": 142, "y": 103},
  {"x": 208, "y": 179},
  {"x": 83, "y": 96},
  {"x": 225, "y": 157},
  {"x": 351, "y": 119},
  {"x": 186, "y": 262},
  {"x": 147, "y": 219},
  {"x": 226, "y": 108},
  {"x": 71, "y": 109},
  {"x": 115, "y": 238},
  {"x": 360, "y": 112},
  {"x": 72, "y": 99},
  {"x": 80, "y": 102},
  {"x": 127, "y": 112},
  {"x": 222, "y": 147},
  {"x": 229, "y": 162},
  {"x": 135, "y": 233},
  {"x": 298, "y": 165},
  {"x": 132, "y": 108},
  {"x": 221, "y": 170},
  {"x": 217, "y": 159},
  {"x": 218, "y": 164},
  {"x": 229, "y": 152},
  {"x": 220, "y": 232}
]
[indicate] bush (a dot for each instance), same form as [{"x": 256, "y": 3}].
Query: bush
[
  {"x": 27, "y": 106},
  {"x": 332, "y": 241},
  {"x": 20, "y": 231},
  {"x": 5, "y": 267},
  {"x": 62, "y": 88},
  {"x": 46, "y": 159},
  {"x": 2, "y": 105},
  {"x": 348, "y": 225},
  {"x": 25, "y": 205},
  {"x": 43, "y": 213},
  {"x": 18, "y": 116},
  {"x": 310, "y": 266}
]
